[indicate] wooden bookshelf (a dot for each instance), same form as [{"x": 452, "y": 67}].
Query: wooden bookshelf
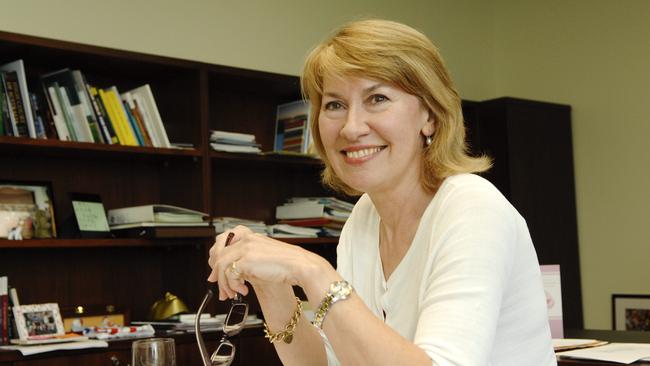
[{"x": 192, "y": 98}]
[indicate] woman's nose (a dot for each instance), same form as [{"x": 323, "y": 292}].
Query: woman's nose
[{"x": 356, "y": 124}]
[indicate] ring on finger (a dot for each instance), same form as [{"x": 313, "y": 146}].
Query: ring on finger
[{"x": 234, "y": 271}]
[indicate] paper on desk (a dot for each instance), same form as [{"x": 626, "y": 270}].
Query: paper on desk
[
  {"x": 566, "y": 344},
  {"x": 614, "y": 352},
  {"x": 32, "y": 350}
]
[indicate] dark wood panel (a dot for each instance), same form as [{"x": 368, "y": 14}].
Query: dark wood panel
[
  {"x": 533, "y": 167},
  {"x": 237, "y": 192},
  {"x": 133, "y": 278}
]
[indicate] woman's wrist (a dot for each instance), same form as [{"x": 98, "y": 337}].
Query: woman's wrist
[{"x": 316, "y": 277}]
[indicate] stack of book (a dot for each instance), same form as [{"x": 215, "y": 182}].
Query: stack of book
[
  {"x": 328, "y": 214},
  {"x": 291, "y": 231},
  {"x": 222, "y": 224},
  {"x": 234, "y": 142},
  {"x": 77, "y": 110},
  {"x": 292, "y": 128},
  {"x": 158, "y": 221}
]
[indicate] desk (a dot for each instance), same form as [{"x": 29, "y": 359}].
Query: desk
[
  {"x": 605, "y": 335},
  {"x": 252, "y": 350}
]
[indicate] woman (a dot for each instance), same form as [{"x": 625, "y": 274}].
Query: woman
[{"x": 434, "y": 265}]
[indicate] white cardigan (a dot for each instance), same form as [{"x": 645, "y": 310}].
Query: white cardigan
[{"x": 469, "y": 289}]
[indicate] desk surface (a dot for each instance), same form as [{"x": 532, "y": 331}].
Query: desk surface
[{"x": 605, "y": 335}]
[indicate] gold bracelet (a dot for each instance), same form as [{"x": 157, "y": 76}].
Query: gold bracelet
[{"x": 285, "y": 335}]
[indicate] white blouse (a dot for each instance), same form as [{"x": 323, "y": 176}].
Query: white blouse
[{"x": 469, "y": 289}]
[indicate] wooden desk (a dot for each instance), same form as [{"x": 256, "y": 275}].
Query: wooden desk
[
  {"x": 605, "y": 335},
  {"x": 252, "y": 350}
]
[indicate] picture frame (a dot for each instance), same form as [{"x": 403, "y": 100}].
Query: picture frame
[
  {"x": 38, "y": 321},
  {"x": 631, "y": 312},
  {"x": 26, "y": 210},
  {"x": 90, "y": 215}
]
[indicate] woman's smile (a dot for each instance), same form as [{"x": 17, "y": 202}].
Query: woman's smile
[{"x": 358, "y": 155}]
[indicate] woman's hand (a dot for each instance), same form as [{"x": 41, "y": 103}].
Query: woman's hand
[{"x": 258, "y": 259}]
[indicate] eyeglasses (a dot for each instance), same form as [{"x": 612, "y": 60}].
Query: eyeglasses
[{"x": 234, "y": 323}]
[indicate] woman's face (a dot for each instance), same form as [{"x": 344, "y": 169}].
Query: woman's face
[{"x": 372, "y": 133}]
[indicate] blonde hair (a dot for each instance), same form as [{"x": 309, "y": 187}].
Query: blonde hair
[{"x": 398, "y": 54}]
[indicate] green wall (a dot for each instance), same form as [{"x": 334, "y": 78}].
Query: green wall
[
  {"x": 591, "y": 54},
  {"x": 595, "y": 56}
]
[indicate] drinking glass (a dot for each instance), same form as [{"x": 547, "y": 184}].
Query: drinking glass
[{"x": 153, "y": 352}]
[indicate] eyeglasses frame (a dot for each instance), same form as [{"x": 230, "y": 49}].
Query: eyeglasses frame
[{"x": 237, "y": 301}]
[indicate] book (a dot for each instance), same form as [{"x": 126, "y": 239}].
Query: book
[
  {"x": 234, "y": 137},
  {"x": 235, "y": 148},
  {"x": 39, "y": 125},
  {"x": 292, "y": 132},
  {"x": 289, "y": 231},
  {"x": 300, "y": 210},
  {"x": 15, "y": 105},
  {"x": 313, "y": 207},
  {"x": 71, "y": 103},
  {"x": 75, "y": 117},
  {"x": 113, "y": 117},
  {"x": 5, "y": 122},
  {"x": 19, "y": 68},
  {"x": 4, "y": 310},
  {"x": 87, "y": 108},
  {"x": 146, "y": 104},
  {"x": 156, "y": 213},
  {"x": 110, "y": 137},
  {"x": 57, "y": 114},
  {"x": 123, "y": 119},
  {"x": 136, "y": 115}
]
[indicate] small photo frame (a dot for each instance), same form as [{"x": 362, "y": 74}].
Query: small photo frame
[
  {"x": 631, "y": 312},
  {"x": 26, "y": 210},
  {"x": 90, "y": 215},
  {"x": 38, "y": 321}
]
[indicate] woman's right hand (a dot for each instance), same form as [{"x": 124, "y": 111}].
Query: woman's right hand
[{"x": 259, "y": 260}]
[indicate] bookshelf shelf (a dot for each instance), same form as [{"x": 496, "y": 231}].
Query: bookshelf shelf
[
  {"x": 266, "y": 158},
  {"x": 91, "y": 243},
  {"x": 56, "y": 148}
]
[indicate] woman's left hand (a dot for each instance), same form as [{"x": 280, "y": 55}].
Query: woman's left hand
[{"x": 258, "y": 259}]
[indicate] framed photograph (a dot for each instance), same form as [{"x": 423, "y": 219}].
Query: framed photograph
[
  {"x": 26, "y": 210},
  {"x": 631, "y": 312},
  {"x": 38, "y": 321}
]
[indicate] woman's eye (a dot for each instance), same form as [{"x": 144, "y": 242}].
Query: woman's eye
[
  {"x": 332, "y": 106},
  {"x": 377, "y": 98}
]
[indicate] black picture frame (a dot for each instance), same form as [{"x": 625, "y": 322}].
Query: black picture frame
[
  {"x": 631, "y": 312},
  {"x": 81, "y": 215}
]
